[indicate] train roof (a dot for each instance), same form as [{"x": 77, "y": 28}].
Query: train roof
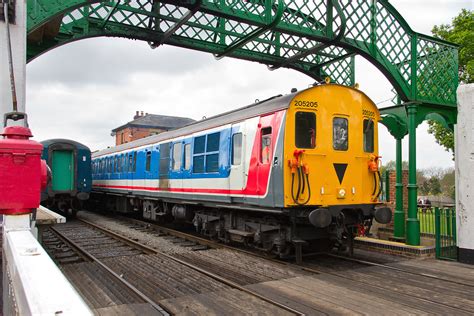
[
  {"x": 276, "y": 103},
  {"x": 272, "y": 104},
  {"x": 49, "y": 142}
]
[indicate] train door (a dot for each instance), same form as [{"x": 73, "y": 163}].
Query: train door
[
  {"x": 265, "y": 154},
  {"x": 176, "y": 174},
  {"x": 187, "y": 158},
  {"x": 164, "y": 166},
  {"x": 129, "y": 162},
  {"x": 237, "y": 176},
  {"x": 63, "y": 170}
]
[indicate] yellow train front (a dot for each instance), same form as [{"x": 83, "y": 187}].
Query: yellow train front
[
  {"x": 296, "y": 168},
  {"x": 331, "y": 150}
]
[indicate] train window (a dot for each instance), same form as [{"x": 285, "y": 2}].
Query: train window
[
  {"x": 266, "y": 145},
  {"x": 130, "y": 162},
  {"x": 368, "y": 136},
  {"x": 305, "y": 130},
  {"x": 177, "y": 159},
  {"x": 187, "y": 156},
  {"x": 340, "y": 133},
  {"x": 199, "y": 144},
  {"x": 212, "y": 163},
  {"x": 236, "y": 149},
  {"x": 134, "y": 165},
  {"x": 198, "y": 164},
  {"x": 109, "y": 162},
  {"x": 213, "y": 142},
  {"x": 124, "y": 163},
  {"x": 148, "y": 161}
]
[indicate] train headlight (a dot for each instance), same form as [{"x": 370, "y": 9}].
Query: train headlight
[{"x": 341, "y": 193}]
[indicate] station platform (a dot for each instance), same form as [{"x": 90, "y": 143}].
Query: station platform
[
  {"x": 45, "y": 216},
  {"x": 393, "y": 247}
]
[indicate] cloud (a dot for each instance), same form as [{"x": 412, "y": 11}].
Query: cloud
[
  {"x": 85, "y": 89},
  {"x": 110, "y": 61}
]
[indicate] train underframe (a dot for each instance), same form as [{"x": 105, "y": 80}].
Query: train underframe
[
  {"x": 276, "y": 231},
  {"x": 66, "y": 203}
]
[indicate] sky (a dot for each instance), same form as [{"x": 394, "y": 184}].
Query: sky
[{"x": 85, "y": 89}]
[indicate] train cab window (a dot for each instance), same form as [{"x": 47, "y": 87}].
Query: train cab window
[
  {"x": 187, "y": 156},
  {"x": 340, "y": 133},
  {"x": 148, "y": 161},
  {"x": 266, "y": 145},
  {"x": 368, "y": 136},
  {"x": 305, "y": 130},
  {"x": 236, "y": 149},
  {"x": 177, "y": 159}
]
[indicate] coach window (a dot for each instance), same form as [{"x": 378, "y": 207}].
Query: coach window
[
  {"x": 206, "y": 153},
  {"x": 187, "y": 156},
  {"x": 148, "y": 161},
  {"x": 236, "y": 149},
  {"x": 340, "y": 133},
  {"x": 368, "y": 136},
  {"x": 305, "y": 130},
  {"x": 134, "y": 161},
  {"x": 266, "y": 145},
  {"x": 130, "y": 162},
  {"x": 177, "y": 159},
  {"x": 124, "y": 163}
]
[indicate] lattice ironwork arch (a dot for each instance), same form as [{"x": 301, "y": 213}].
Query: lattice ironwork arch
[{"x": 317, "y": 37}]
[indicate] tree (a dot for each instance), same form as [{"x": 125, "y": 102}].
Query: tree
[{"x": 459, "y": 32}]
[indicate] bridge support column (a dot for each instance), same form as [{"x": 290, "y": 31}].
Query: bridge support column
[
  {"x": 413, "y": 224},
  {"x": 18, "y": 41},
  {"x": 464, "y": 174},
  {"x": 399, "y": 217}
]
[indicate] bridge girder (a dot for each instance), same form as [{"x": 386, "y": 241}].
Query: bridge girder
[{"x": 317, "y": 37}]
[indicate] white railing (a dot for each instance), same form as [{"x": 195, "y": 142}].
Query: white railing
[{"x": 32, "y": 283}]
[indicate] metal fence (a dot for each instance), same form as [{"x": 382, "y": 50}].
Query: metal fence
[{"x": 440, "y": 223}]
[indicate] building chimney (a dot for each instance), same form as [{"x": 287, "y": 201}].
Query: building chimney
[
  {"x": 137, "y": 115},
  {"x": 141, "y": 113}
]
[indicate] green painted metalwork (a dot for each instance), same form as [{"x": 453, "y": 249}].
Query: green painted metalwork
[
  {"x": 413, "y": 224},
  {"x": 399, "y": 216},
  {"x": 316, "y": 37},
  {"x": 445, "y": 227}
]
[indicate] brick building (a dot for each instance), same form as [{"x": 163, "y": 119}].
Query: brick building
[{"x": 144, "y": 125}]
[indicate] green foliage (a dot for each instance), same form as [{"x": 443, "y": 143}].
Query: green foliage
[
  {"x": 436, "y": 181},
  {"x": 391, "y": 165},
  {"x": 461, "y": 32},
  {"x": 443, "y": 136}
]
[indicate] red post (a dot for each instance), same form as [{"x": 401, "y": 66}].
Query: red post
[{"x": 23, "y": 175}]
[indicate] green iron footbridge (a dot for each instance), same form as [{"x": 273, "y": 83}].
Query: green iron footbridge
[{"x": 316, "y": 37}]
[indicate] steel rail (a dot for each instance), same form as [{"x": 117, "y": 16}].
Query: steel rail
[
  {"x": 91, "y": 257},
  {"x": 309, "y": 267},
  {"x": 214, "y": 244},
  {"x": 376, "y": 264},
  {"x": 196, "y": 268}
]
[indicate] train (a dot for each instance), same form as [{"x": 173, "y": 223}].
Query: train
[
  {"x": 70, "y": 185},
  {"x": 294, "y": 169}
]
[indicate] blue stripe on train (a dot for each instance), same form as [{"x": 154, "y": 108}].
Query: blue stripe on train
[{"x": 140, "y": 172}]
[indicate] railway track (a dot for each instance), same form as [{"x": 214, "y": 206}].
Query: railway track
[
  {"x": 156, "y": 276},
  {"x": 373, "y": 277}
]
